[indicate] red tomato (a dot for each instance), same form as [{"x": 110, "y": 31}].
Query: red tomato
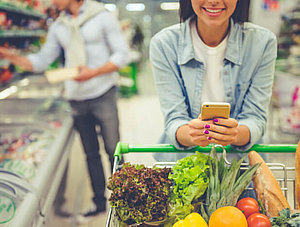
[
  {"x": 258, "y": 220},
  {"x": 248, "y": 206}
]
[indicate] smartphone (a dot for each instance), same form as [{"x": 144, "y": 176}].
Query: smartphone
[{"x": 211, "y": 110}]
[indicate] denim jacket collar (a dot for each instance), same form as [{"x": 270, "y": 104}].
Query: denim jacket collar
[{"x": 233, "y": 50}]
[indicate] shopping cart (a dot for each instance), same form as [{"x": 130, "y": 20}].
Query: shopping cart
[{"x": 284, "y": 174}]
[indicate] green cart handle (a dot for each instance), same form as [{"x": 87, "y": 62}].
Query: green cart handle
[{"x": 125, "y": 148}]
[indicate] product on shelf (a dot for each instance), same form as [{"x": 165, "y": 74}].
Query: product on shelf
[
  {"x": 289, "y": 35},
  {"x": 22, "y": 152},
  {"x": 22, "y": 27}
]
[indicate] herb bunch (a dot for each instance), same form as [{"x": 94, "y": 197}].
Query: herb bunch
[
  {"x": 286, "y": 219},
  {"x": 140, "y": 194},
  {"x": 226, "y": 184}
]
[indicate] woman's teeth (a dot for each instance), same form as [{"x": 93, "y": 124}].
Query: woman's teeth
[{"x": 213, "y": 10}]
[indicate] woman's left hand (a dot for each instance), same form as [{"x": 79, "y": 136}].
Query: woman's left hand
[{"x": 222, "y": 131}]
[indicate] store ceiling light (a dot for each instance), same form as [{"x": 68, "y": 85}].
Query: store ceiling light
[
  {"x": 169, "y": 6},
  {"x": 135, "y": 7},
  {"x": 110, "y": 7}
]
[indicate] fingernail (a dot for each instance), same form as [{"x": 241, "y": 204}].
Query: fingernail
[
  {"x": 207, "y": 126},
  {"x": 209, "y": 138},
  {"x": 206, "y": 132},
  {"x": 215, "y": 120}
]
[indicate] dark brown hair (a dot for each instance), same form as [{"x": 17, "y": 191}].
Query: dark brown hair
[{"x": 240, "y": 14}]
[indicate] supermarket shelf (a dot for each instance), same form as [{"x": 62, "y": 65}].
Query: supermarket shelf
[
  {"x": 21, "y": 33},
  {"x": 23, "y": 11}
]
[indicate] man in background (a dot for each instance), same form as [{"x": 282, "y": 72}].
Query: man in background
[{"x": 92, "y": 40}]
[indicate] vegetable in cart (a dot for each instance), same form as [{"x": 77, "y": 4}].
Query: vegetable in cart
[
  {"x": 140, "y": 194},
  {"x": 190, "y": 180},
  {"x": 225, "y": 184},
  {"x": 286, "y": 219}
]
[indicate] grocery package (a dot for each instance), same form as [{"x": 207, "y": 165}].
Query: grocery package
[
  {"x": 267, "y": 189},
  {"x": 60, "y": 75},
  {"x": 22, "y": 29},
  {"x": 22, "y": 152}
]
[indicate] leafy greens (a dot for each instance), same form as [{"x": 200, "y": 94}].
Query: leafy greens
[
  {"x": 190, "y": 180},
  {"x": 286, "y": 219},
  {"x": 140, "y": 194}
]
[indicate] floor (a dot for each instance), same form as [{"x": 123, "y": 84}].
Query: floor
[{"x": 141, "y": 123}]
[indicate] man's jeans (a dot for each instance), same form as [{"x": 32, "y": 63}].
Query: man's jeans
[{"x": 87, "y": 114}]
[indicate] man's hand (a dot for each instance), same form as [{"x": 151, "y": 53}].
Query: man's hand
[
  {"x": 85, "y": 74},
  {"x": 5, "y": 52},
  {"x": 222, "y": 131}
]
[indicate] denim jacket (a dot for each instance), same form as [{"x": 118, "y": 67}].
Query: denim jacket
[{"x": 247, "y": 76}]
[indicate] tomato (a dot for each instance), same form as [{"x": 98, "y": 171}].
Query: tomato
[
  {"x": 258, "y": 220},
  {"x": 248, "y": 206},
  {"x": 227, "y": 217}
]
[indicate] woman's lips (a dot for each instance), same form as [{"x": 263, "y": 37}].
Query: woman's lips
[{"x": 213, "y": 12}]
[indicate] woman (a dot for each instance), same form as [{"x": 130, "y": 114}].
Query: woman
[{"x": 214, "y": 55}]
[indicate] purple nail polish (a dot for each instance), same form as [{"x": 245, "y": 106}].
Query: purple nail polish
[
  {"x": 206, "y": 132},
  {"x": 209, "y": 138},
  {"x": 207, "y": 126},
  {"x": 215, "y": 120}
]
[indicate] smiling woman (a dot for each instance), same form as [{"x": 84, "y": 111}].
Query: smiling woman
[
  {"x": 214, "y": 55},
  {"x": 240, "y": 14}
]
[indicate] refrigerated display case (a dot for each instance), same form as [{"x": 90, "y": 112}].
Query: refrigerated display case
[{"x": 36, "y": 133}]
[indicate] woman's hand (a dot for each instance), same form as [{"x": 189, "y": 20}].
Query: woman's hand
[
  {"x": 197, "y": 130},
  {"x": 222, "y": 131},
  {"x": 218, "y": 131}
]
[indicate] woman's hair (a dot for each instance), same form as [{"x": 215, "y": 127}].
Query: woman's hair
[{"x": 240, "y": 14}]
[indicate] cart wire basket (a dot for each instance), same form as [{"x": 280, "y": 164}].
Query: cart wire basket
[{"x": 285, "y": 175}]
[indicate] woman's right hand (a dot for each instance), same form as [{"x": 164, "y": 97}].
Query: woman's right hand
[{"x": 196, "y": 132}]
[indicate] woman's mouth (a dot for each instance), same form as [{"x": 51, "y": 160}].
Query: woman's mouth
[{"x": 213, "y": 12}]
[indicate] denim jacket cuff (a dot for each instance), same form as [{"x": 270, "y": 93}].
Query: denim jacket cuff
[
  {"x": 171, "y": 132},
  {"x": 255, "y": 134}
]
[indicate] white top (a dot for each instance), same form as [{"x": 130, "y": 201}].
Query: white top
[{"x": 212, "y": 57}]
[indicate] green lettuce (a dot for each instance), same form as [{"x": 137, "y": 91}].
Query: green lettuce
[{"x": 190, "y": 180}]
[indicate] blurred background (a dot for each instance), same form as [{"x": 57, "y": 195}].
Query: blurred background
[{"x": 37, "y": 140}]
